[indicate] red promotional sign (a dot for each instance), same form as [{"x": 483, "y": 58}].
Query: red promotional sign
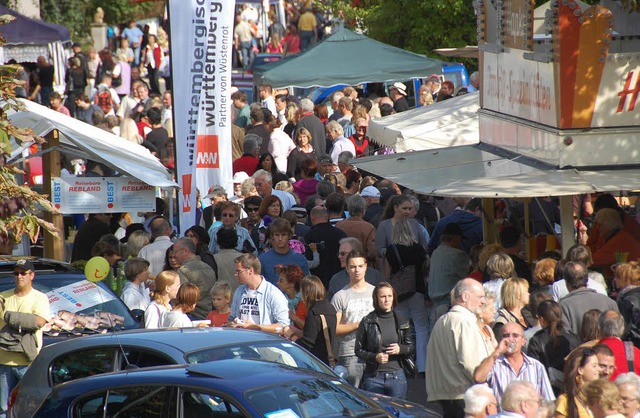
[
  {"x": 207, "y": 152},
  {"x": 186, "y": 192}
]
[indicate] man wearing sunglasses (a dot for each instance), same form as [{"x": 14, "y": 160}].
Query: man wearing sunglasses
[
  {"x": 23, "y": 312},
  {"x": 508, "y": 363}
]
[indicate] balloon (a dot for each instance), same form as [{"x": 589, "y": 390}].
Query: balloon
[{"x": 96, "y": 269}]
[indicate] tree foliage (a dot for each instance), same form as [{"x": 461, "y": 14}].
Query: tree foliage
[{"x": 19, "y": 205}]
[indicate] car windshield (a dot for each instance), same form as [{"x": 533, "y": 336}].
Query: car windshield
[
  {"x": 312, "y": 398},
  {"x": 79, "y": 306},
  {"x": 273, "y": 351}
]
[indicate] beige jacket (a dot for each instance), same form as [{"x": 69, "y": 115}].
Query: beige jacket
[{"x": 455, "y": 349}]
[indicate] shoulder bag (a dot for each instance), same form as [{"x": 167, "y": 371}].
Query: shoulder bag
[{"x": 404, "y": 280}]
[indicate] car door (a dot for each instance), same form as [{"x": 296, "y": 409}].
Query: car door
[{"x": 141, "y": 401}]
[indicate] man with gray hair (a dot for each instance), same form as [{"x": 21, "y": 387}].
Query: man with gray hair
[
  {"x": 520, "y": 400},
  {"x": 155, "y": 252},
  {"x": 336, "y": 134},
  {"x": 474, "y": 82},
  {"x": 249, "y": 160},
  {"x": 344, "y": 161},
  {"x": 335, "y": 101},
  {"x": 195, "y": 271},
  {"x": 479, "y": 402},
  {"x": 626, "y": 356},
  {"x": 455, "y": 349},
  {"x": 629, "y": 388},
  {"x": 315, "y": 126},
  {"x": 264, "y": 186}
]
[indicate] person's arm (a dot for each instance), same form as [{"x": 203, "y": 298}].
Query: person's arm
[
  {"x": 482, "y": 372},
  {"x": 362, "y": 352}
]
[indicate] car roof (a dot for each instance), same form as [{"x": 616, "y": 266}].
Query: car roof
[
  {"x": 238, "y": 374},
  {"x": 182, "y": 339},
  {"x": 42, "y": 265}
]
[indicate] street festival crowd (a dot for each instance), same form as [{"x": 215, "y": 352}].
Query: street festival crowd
[{"x": 359, "y": 270}]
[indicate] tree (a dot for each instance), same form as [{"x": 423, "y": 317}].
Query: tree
[{"x": 19, "y": 205}]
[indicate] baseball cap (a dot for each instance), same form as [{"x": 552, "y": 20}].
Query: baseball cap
[
  {"x": 240, "y": 176},
  {"x": 216, "y": 191},
  {"x": 402, "y": 89},
  {"x": 370, "y": 191},
  {"x": 326, "y": 159},
  {"x": 25, "y": 265},
  {"x": 300, "y": 211}
]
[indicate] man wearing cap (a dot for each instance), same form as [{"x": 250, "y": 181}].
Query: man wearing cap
[
  {"x": 371, "y": 197},
  {"x": 336, "y": 133},
  {"x": 398, "y": 93},
  {"x": 216, "y": 194},
  {"x": 434, "y": 83},
  {"x": 238, "y": 179},
  {"x": 23, "y": 312}
]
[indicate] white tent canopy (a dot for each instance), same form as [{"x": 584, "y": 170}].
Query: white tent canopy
[
  {"x": 475, "y": 171},
  {"x": 450, "y": 123},
  {"x": 87, "y": 141}
]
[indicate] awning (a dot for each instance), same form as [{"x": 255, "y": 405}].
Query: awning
[
  {"x": 475, "y": 171},
  {"x": 87, "y": 141},
  {"x": 450, "y": 123}
]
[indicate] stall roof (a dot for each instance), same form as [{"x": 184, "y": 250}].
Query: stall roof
[
  {"x": 87, "y": 141},
  {"x": 478, "y": 170},
  {"x": 346, "y": 58},
  {"x": 450, "y": 123},
  {"x": 25, "y": 30}
]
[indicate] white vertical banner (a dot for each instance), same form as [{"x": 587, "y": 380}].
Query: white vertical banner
[{"x": 201, "y": 48}]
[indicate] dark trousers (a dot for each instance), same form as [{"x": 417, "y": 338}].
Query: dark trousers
[
  {"x": 387, "y": 383},
  {"x": 452, "y": 408}
]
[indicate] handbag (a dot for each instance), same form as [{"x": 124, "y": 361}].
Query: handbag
[
  {"x": 404, "y": 280},
  {"x": 409, "y": 366},
  {"x": 325, "y": 330}
]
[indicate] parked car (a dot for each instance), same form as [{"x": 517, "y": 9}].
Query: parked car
[
  {"x": 221, "y": 389},
  {"x": 98, "y": 354},
  {"x": 78, "y": 306}
]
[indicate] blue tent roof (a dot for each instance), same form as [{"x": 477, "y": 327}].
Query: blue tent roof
[{"x": 24, "y": 30}]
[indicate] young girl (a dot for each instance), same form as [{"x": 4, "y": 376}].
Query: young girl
[
  {"x": 167, "y": 284},
  {"x": 186, "y": 299},
  {"x": 221, "y": 300}
]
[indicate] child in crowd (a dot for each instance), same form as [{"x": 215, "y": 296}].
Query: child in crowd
[{"x": 221, "y": 300}]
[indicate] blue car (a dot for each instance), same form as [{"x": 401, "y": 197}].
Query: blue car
[{"x": 221, "y": 389}]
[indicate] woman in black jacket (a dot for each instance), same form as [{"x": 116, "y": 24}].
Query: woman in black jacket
[
  {"x": 312, "y": 336},
  {"x": 384, "y": 341}
]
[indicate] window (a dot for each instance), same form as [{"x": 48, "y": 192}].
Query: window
[
  {"x": 137, "y": 402},
  {"x": 81, "y": 364},
  {"x": 205, "y": 405},
  {"x": 142, "y": 358}
]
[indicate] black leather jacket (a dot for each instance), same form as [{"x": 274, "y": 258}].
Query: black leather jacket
[
  {"x": 369, "y": 339},
  {"x": 629, "y": 306}
]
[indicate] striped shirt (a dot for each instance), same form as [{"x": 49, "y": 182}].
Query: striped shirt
[{"x": 532, "y": 371}]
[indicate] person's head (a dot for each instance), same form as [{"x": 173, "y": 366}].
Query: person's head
[
  {"x": 136, "y": 270},
  {"x": 580, "y": 253},
  {"x": 308, "y": 168},
  {"x": 522, "y": 398},
  {"x": 312, "y": 290},
  {"x": 247, "y": 188},
  {"x": 384, "y": 297},
  {"x": 264, "y": 182},
  {"x": 480, "y": 402},
  {"x": 580, "y": 368},
  {"x": 221, "y": 295},
  {"x": 271, "y": 206},
  {"x": 452, "y": 235},
  {"x": 281, "y": 102},
  {"x": 165, "y": 286},
  {"x": 292, "y": 113},
  {"x": 142, "y": 90},
  {"x": 575, "y": 275},
  {"x": 345, "y": 105},
  {"x": 170, "y": 262},
  {"x": 470, "y": 294},
  {"x": 106, "y": 250},
  {"x": 356, "y": 205},
  {"x": 334, "y": 130},
  {"x": 280, "y": 233},
  {"x": 230, "y": 214},
  {"x": 510, "y": 237},
  {"x": 306, "y": 105},
  {"x": 227, "y": 238},
  {"x": 239, "y": 99},
  {"x": 321, "y": 111},
  {"x": 629, "y": 389},
  {"x": 325, "y": 188},
  {"x": 319, "y": 215},
  {"x": 344, "y": 161},
  {"x": 403, "y": 234},
  {"x": 356, "y": 266},
  {"x": 289, "y": 278},
  {"x": 514, "y": 293},
  {"x": 589, "y": 328},
  {"x": 334, "y": 204},
  {"x": 447, "y": 88},
  {"x": 55, "y": 99},
  {"x": 514, "y": 334},
  {"x": 606, "y": 360},
  {"x": 500, "y": 266},
  {"x": 549, "y": 314},
  {"x": 267, "y": 162},
  {"x": 399, "y": 207},
  {"x": 184, "y": 249},
  {"x": 303, "y": 137},
  {"x": 609, "y": 221},
  {"x": 198, "y": 235},
  {"x": 361, "y": 126},
  {"x": 611, "y": 324},
  {"x": 248, "y": 268},
  {"x": 24, "y": 273},
  {"x": 136, "y": 241},
  {"x": 160, "y": 227},
  {"x": 544, "y": 271},
  {"x": 252, "y": 207},
  {"x": 264, "y": 91},
  {"x": 602, "y": 398},
  {"x": 335, "y": 99},
  {"x": 187, "y": 297},
  {"x": 347, "y": 245},
  {"x": 627, "y": 274},
  {"x": 487, "y": 313},
  {"x": 250, "y": 146}
]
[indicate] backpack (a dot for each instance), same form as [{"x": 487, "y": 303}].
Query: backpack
[
  {"x": 404, "y": 280},
  {"x": 104, "y": 100}
]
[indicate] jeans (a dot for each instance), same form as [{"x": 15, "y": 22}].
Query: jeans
[
  {"x": 9, "y": 378},
  {"x": 355, "y": 367},
  {"x": 415, "y": 309},
  {"x": 387, "y": 383},
  {"x": 246, "y": 48},
  {"x": 306, "y": 40}
]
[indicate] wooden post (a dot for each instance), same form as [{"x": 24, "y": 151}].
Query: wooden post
[
  {"x": 53, "y": 245},
  {"x": 489, "y": 228},
  {"x": 566, "y": 222}
]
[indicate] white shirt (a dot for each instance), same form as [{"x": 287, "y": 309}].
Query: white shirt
[
  {"x": 342, "y": 144},
  {"x": 154, "y": 253},
  {"x": 135, "y": 297},
  {"x": 559, "y": 288},
  {"x": 153, "y": 314},
  {"x": 270, "y": 103},
  {"x": 280, "y": 145},
  {"x": 174, "y": 319}
]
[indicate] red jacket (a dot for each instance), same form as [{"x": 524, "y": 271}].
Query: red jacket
[
  {"x": 617, "y": 346},
  {"x": 246, "y": 163}
]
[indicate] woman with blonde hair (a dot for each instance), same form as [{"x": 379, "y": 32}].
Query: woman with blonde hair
[
  {"x": 303, "y": 151},
  {"x": 603, "y": 399},
  {"x": 292, "y": 115},
  {"x": 187, "y": 297},
  {"x": 136, "y": 241},
  {"x": 166, "y": 287},
  {"x": 515, "y": 296},
  {"x": 499, "y": 268},
  {"x": 486, "y": 315}
]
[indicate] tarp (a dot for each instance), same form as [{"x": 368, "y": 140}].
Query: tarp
[
  {"x": 87, "y": 141},
  {"x": 450, "y": 123},
  {"x": 25, "y": 30},
  {"x": 476, "y": 171},
  {"x": 346, "y": 58}
]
